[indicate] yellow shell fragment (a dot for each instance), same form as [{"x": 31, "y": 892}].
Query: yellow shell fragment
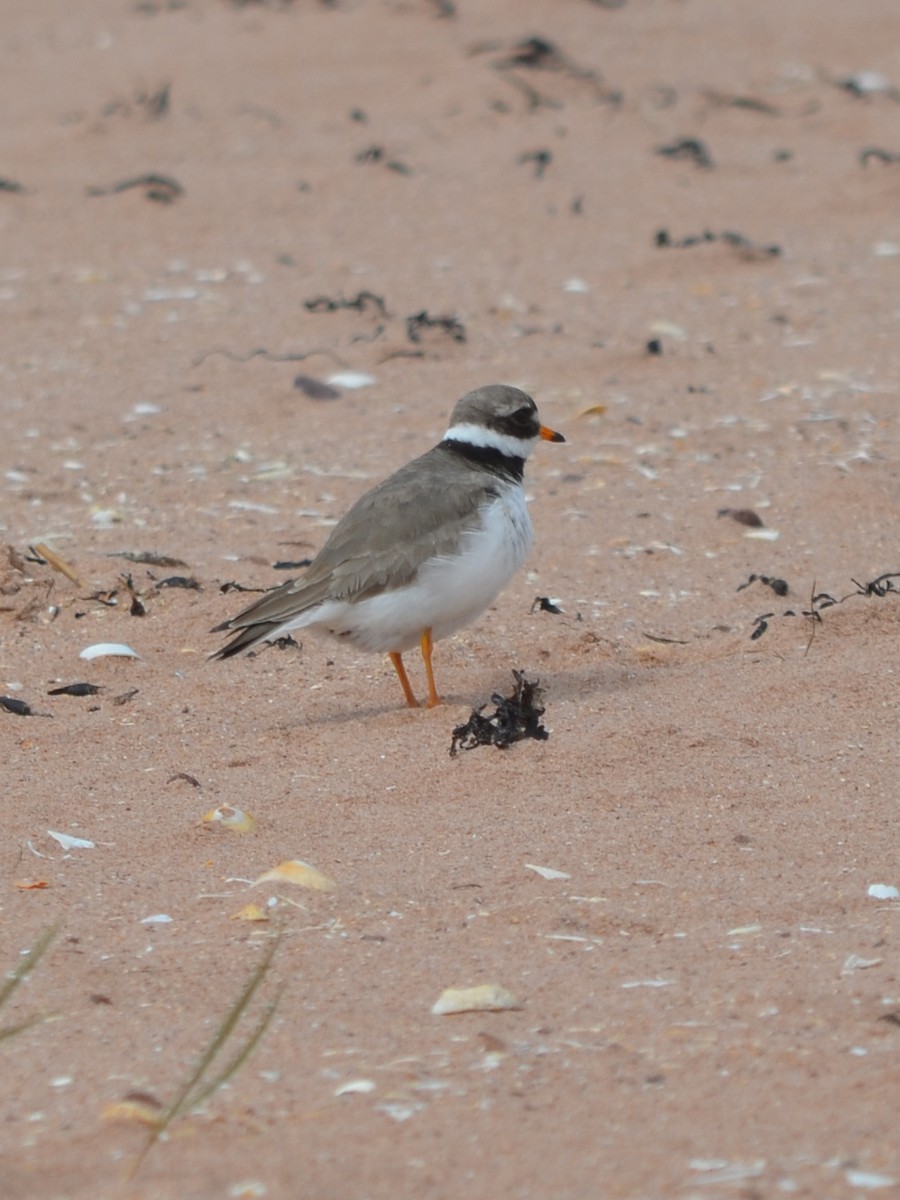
[
  {"x": 250, "y": 912},
  {"x": 229, "y": 817},
  {"x": 300, "y": 873},
  {"x": 141, "y": 1111},
  {"x": 487, "y": 997}
]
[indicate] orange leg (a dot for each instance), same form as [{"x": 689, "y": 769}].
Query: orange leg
[
  {"x": 427, "y": 644},
  {"x": 397, "y": 662}
]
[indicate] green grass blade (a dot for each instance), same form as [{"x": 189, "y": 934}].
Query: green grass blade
[
  {"x": 9, "y": 1031},
  {"x": 191, "y": 1093},
  {"x": 19, "y": 975},
  {"x": 207, "y": 1090},
  {"x": 27, "y": 965}
]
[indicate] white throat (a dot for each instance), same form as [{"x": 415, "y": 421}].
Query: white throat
[{"x": 480, "y": 435}]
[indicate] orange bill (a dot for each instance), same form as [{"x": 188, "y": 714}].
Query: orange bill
[{"x": 550, "y": 435}]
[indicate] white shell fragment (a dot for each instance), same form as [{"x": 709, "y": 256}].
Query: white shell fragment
[
  {"x": 866, "y": 82},
  {"x": 157, "y": 919},
  {"x": 105, "y": 518},
  {"x": 721, "y": 1171},
  {"x": 248, "y": 1189},
  {"x": 853, "y": 962},
  {"x": 547, "y": 872},
  {"x": 108, "y": 650},
  {"x": 883, "y": 891},
  {"x": 351, "y": 379},
  {"x": 869, "y": 1179},
  {"x": 71, "y": 843},
  {"x": 249, "y": 506},
  {"x": 355, "y": 1087},
  {"x": 398, "y": 1111},
  {"x": 669, "y": 329},
  {"x": 486, "y": 997}
]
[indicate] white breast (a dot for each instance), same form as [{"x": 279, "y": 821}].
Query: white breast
[{"x": 449, "y": 592}]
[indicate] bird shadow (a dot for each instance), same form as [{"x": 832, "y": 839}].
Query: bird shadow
[{"x": 569, "y": 684}]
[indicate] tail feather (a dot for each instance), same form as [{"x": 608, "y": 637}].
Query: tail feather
[{"x": 246, "y": 638}]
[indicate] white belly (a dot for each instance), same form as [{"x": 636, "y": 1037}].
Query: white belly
[{"x": 447, "y": 594}]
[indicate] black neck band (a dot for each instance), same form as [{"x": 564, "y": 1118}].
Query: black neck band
[{"x": 506, "y": 466}]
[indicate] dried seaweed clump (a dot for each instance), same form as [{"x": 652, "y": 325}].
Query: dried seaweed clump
[{"x": 515, "y": 717}]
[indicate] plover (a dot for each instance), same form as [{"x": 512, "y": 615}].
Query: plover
[{"x": 425, "y": 552}]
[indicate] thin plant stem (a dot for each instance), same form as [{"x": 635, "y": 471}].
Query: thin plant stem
[
  {"x": 19, "y": 975},
  {"x": 193, "y": 1092}
]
